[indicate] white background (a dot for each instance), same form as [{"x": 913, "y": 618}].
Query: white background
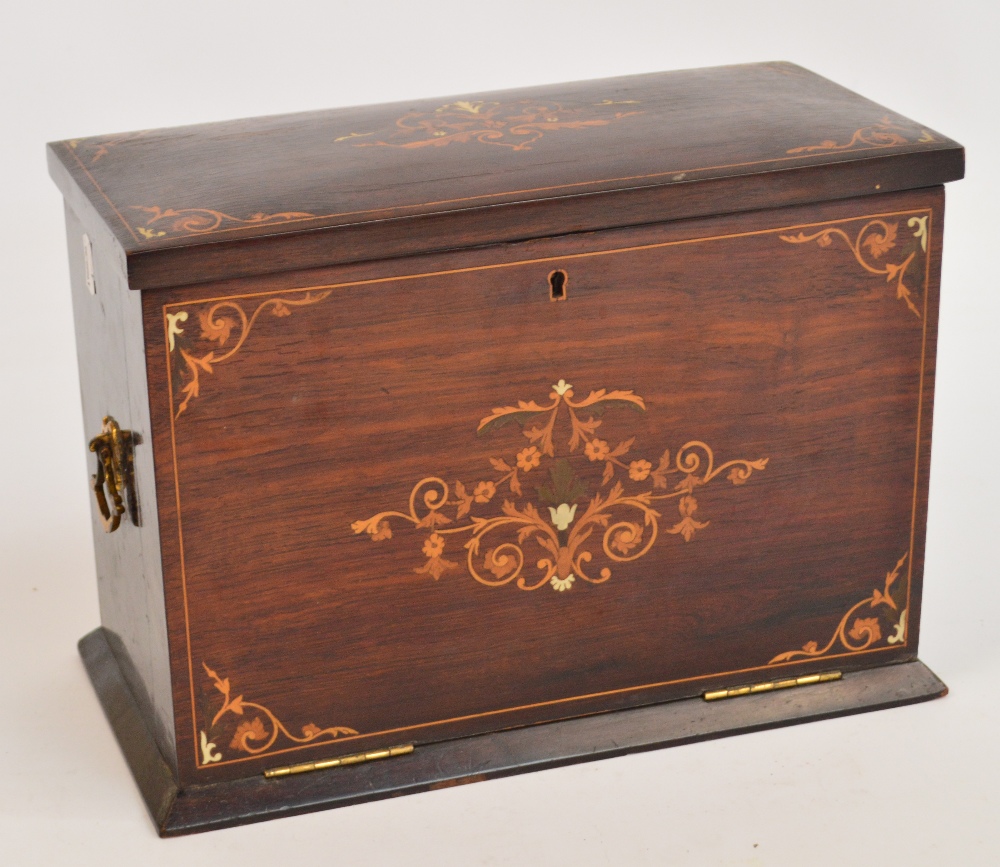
[{"x": 909, "y": 786}]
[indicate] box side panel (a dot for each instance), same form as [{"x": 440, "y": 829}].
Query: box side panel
[
  {"x": 706, "y": 463},
  {"x": 113, "y": 383}
]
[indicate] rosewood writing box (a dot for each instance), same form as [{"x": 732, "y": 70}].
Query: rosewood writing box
[{"x": 448, "y": 439}]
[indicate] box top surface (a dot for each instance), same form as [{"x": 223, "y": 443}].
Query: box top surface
[{"x": 671, "y": 136}]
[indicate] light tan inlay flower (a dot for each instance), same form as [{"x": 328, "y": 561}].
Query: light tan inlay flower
[
  {"x": 597, "y": 450},
  {"x": 529, "y": 458},
  {"x": 639, "y": 470}
]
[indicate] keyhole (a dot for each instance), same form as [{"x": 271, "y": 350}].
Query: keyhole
[{"x": 557, "y": 285}]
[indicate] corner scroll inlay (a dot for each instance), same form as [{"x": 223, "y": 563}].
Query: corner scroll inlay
[
  {"x": 876, "y": 239},
  {"x": 258, "y": 729},
  {"x": 886, "y": 133},
  {"x": 187, "y": 351},
  {"x": 862, "y": 626},
  {"x": 196, "y": 221}
]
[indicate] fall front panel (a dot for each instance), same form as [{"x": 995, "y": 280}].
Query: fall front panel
[{"x": 443, "y": 503}]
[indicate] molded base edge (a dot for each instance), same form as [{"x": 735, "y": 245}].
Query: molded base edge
[{"x": 202, "y": 808}]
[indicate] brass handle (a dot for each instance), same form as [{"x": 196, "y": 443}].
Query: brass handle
[{"x": 112, "y": 480}]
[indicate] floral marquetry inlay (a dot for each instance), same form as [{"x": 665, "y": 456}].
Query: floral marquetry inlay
[
  {"x": 156, "y": 222},
  {"x": 196, "y": 349},
  {"x": 515, "y": 125},
  {"x": 574, "y": 505},
  {"x": 886, "y": 133},
  {"x": 241, "y": 726},
  {"x": 875, "y": 246},
  {"x": 92, "y": 150},
  {"x": 878, "y": 619}
]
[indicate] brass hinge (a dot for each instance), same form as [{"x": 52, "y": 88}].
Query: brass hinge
[
  {"x": 770, "y": 686},
  {"x": 354, "y": 759}
]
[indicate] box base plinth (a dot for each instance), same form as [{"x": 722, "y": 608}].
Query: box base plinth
[{"x": 179, "y": 811}]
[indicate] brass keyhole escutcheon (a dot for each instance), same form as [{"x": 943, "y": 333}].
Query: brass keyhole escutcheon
[
  {"x": 112, "y": 482},
  {"x": 557, "y": 285}
]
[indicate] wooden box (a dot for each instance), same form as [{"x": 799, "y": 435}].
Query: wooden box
[{"x": 454, "y": 438}]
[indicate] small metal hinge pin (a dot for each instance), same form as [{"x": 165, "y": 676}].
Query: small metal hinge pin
[
  {"x": 770, "y": 686},
  {"x": 355, "y": 759}
]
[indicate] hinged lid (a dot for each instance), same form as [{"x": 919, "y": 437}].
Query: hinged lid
[{"x": 204, "y": 202}]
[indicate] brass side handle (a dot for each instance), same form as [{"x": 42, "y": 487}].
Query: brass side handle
[{"x": 112, "y": 483}]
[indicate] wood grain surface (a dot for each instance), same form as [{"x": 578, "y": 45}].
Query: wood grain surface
[
  {"x": 804, "y": 336},
  {"x": 187, "y": 205},
  {"x": 475, "y": 759},
  {"x": 109, "y": 347}
]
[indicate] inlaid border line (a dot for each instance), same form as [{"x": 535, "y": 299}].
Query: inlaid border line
[
  {"x": 920, "y": 406},
  {"x": 194, "y": 722},
  {"x": 104, "y": 195},
  {"x": 567, "y": 257},
  {"x": 501, "y": 195}
]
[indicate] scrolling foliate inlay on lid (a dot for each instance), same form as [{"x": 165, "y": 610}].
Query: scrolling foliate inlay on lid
[
  {"x": 516, "y": 125},
  {"x": 886, "y": 133},
  {"x": 626, "y": 522},
  {"x": 449, "y": 155}
]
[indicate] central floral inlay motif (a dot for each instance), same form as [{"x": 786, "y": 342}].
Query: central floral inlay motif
[{"x": 614, "y": 518}]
